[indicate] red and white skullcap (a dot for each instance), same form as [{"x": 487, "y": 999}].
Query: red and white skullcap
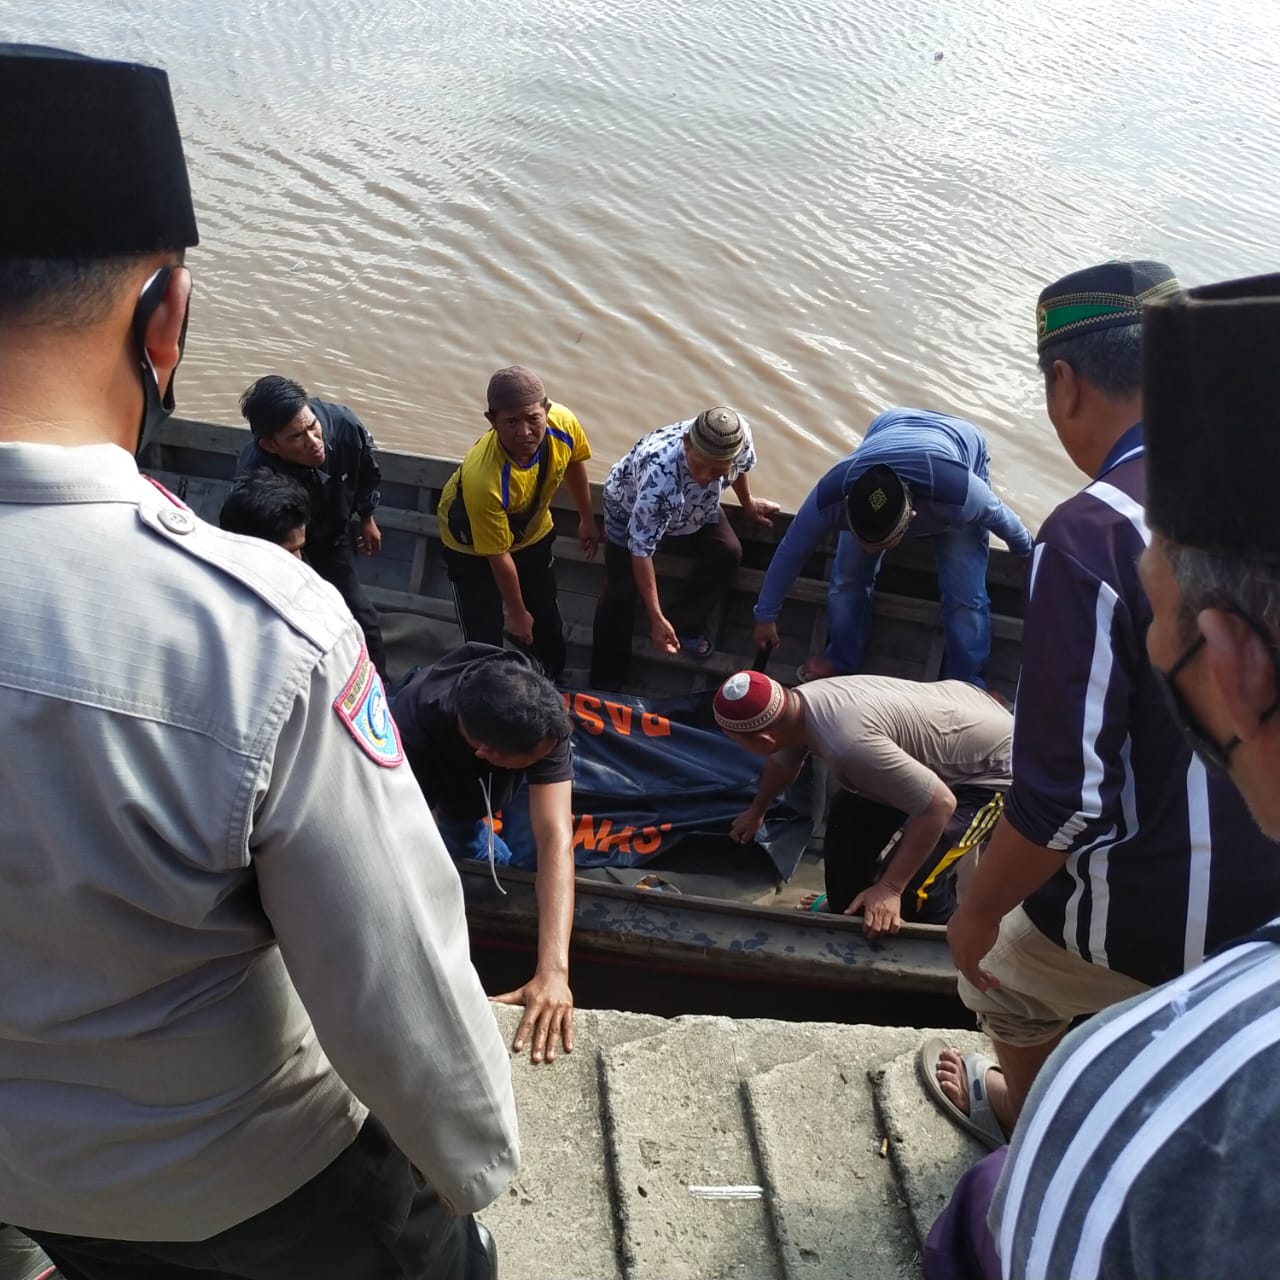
[{"x": 748, "y": 702}]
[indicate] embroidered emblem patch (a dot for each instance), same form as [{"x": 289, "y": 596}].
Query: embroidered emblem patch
[{"x": 362, "y": 707}]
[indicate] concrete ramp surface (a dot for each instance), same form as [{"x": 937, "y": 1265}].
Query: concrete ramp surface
[{"x": 703, "y": 1148}]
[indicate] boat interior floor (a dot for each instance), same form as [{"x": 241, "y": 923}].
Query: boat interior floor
[{"x": 720, "y": 869}]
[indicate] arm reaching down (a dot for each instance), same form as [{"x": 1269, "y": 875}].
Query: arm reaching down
[
  {"x": 982, "y": 507},
  {"x": 367, "y": 495},
  {"x": 780, "y": 771},
  {"x": 547, "y": 999},
  {"x": 579, "y": 486},
  {"x": 661, "y": 632},
  {"x": 1011, "y": 869},
  {"x": 881, "y": 903},
  {"x": 757, "y": 510},
  {"x": 810, "y": 526},
  {"x": 516, "y": 618},
  {"x": 369, "y": 539}
]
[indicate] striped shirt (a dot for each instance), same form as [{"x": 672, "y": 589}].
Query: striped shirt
[
  {"x": 1162, "y": 863},
  {"x": 1149, "y": 1143}
]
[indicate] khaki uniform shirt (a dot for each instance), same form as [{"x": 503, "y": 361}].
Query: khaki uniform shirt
[{"x": 227, "y": 922}]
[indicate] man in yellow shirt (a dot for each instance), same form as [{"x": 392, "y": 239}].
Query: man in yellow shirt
[{"x": 495, "y": 520}]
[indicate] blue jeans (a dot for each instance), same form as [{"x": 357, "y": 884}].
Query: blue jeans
[
  {"x": 468, "y": 838},
  {"x": 961, "y": 557}
]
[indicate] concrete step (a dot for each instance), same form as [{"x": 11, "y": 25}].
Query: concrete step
[
  {"x": 675, "y": 1121},
  {"x": 831, "y": 1192},
  {"x": 678, "y": 1115},
  {"x": 615, "y": 1134},
  {"x": 556, "y": 1221},
  {"x": 928, "y": 1151}
]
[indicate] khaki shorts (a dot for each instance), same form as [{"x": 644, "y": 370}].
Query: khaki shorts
[{"x": 1042, "y": 986}]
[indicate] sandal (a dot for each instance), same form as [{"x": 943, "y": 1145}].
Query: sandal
[
  {"x": 981, "y": 1121},
  {"x": 656, "y": 884},
  {"x": 699, "y": 647},
  {"x": 806, "y": 671}
]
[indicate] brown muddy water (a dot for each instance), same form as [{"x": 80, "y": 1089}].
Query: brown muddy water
[{"x": 810, "y": 210}]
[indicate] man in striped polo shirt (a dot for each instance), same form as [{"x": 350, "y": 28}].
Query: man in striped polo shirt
[
  {"x": 1148, "y": 1144},
  {"x": 1119, "y": 863}
]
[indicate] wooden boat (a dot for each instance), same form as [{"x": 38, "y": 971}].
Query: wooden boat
[{"x": 786, "y": 959}]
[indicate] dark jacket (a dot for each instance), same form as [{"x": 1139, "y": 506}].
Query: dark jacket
[
  {"x": 447, "y": 769},
  {"x": 346, "y": 485}
]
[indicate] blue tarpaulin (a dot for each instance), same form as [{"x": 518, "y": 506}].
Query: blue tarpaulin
[{"x": 649, "y": 773}]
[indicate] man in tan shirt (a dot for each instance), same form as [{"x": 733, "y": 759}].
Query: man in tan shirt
[{"x": 929, "y": 760}]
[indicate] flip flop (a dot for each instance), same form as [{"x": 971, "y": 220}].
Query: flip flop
[
  {"x": 699, "y": 647},
  {"x": 805, "y": 673},
  {"x": 981, "y": 1121},
  {"x": 656, "y": 884}
]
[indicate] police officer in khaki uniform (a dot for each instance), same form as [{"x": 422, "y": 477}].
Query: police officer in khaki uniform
[{"x": 229, "y": 932}]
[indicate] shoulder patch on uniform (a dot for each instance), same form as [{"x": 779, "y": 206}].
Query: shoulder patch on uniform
[{"x": 362, "y": 707}]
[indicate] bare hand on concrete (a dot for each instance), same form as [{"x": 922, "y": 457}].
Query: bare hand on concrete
[{"x": 548, "y": 1016}]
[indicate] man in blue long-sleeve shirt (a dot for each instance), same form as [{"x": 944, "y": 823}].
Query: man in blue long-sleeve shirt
[{"x": 916, "y": 474}]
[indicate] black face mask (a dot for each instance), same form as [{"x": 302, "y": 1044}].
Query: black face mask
[
  {"x": 1214, "y": 755},
  {"x": 155, "y": 408}
]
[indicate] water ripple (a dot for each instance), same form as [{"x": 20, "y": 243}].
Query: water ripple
[{"x": 800, "y": 208}]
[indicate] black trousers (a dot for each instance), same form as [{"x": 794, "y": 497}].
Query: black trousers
[
  {"x": 337, "y": 564},
  {"x": 716, "y": 554},
  {"x": 480, "y": 601},
  {"x": 858, "y": 830},
  {"x": 368, "y": 1216}
]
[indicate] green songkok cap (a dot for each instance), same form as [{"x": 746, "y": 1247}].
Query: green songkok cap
[{"x": 1102, "y": 297}]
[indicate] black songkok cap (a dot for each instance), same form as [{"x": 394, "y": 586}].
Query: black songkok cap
[
  {"x": 1211, "y": 417},
  {"x": 92, "y": 157},
  {"x": 1102, "y": 297},
  {"x": 878, "y": 505}
]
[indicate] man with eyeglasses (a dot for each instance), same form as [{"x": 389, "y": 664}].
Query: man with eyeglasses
[
  {"x": 916, "y": 474},
  {"x": 1148, "y": 1145},
  {"x": 1119, "y": 863}
]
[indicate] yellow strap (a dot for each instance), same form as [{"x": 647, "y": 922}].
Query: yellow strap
[{"x": 978, "y": 830}]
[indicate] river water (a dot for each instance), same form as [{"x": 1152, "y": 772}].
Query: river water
[{"x": 810, "y": 210}]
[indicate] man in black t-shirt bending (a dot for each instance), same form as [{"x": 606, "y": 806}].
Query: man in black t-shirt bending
[{"x": 476, "y": 725}]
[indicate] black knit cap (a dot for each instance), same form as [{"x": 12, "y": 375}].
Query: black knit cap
[
  {"x": 1211, "y": 417},
  {"x": 878, "y": 505},
  {"x": 92, "y": 158},
  {"x": 1102, "y": 297}
]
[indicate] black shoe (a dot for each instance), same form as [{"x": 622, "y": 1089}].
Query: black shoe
[{"x": 482, "y": 1254}]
